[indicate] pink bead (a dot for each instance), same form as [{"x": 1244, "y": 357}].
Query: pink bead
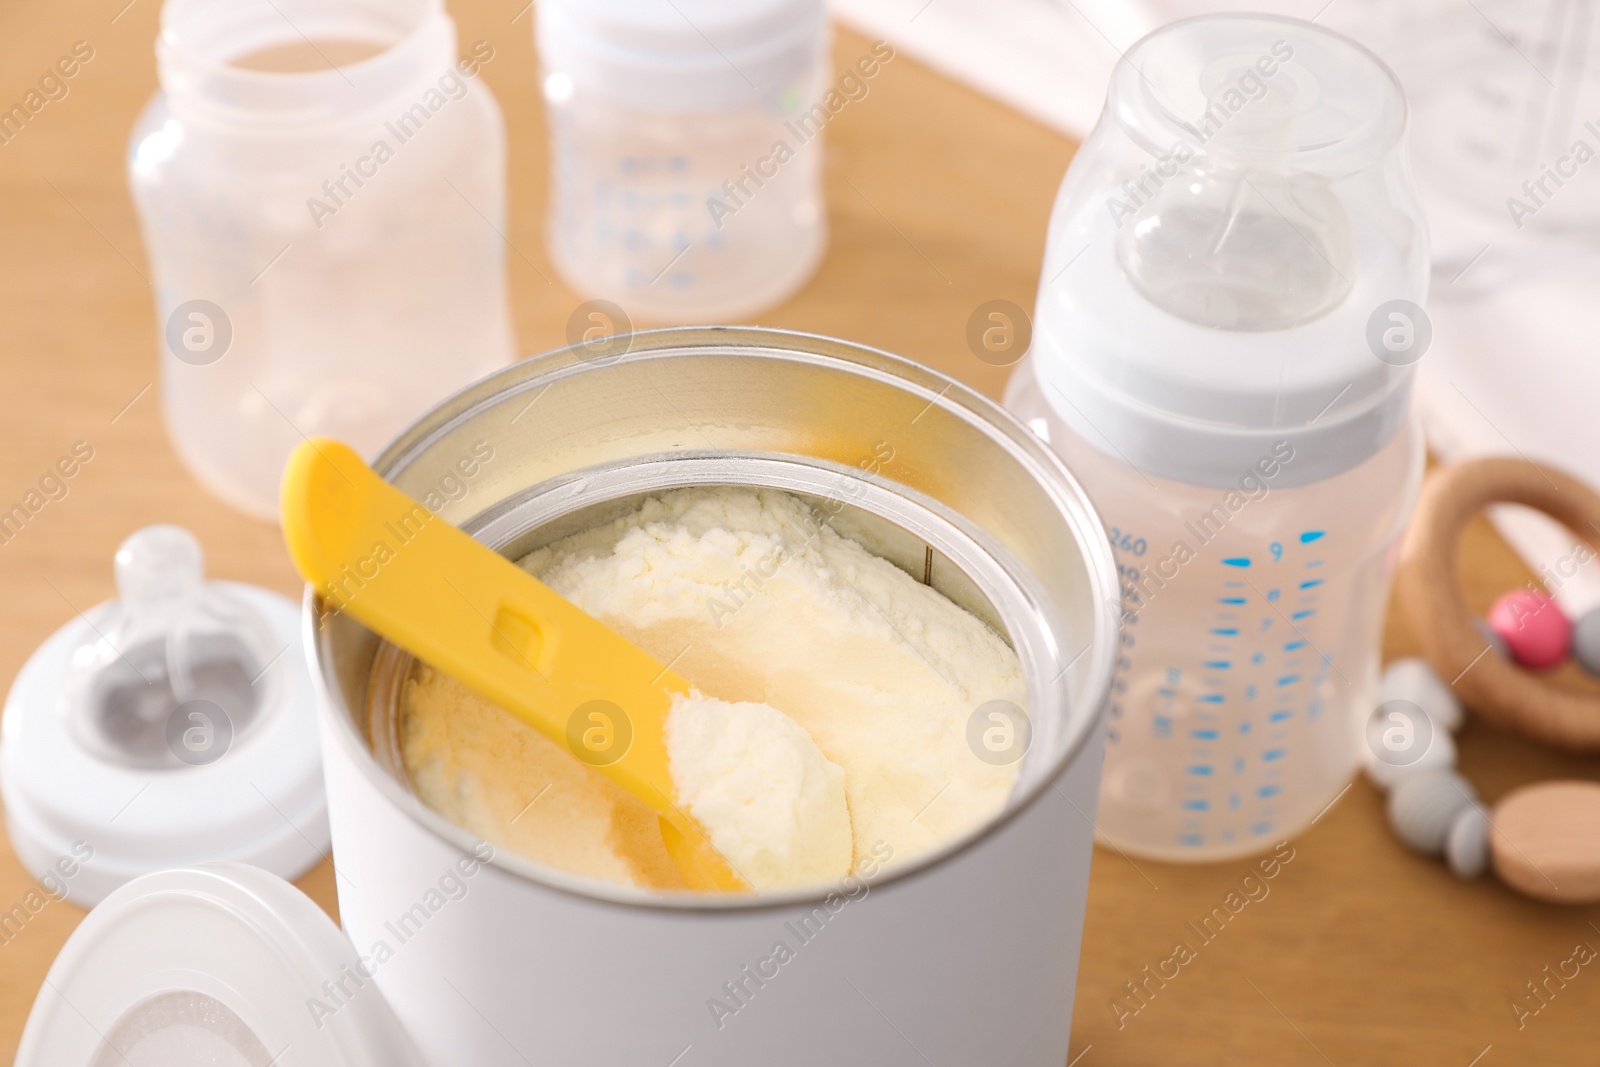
[{"x": 1533, "y": 628}]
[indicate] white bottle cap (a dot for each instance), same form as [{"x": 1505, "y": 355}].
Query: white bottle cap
[
  {"x": 681, "y": 55},
  {"x": 1227, "y": 252},
  {"x": 223, "y": 964},
  {"x": 175, "y": 725}
]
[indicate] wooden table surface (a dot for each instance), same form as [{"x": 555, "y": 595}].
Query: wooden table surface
[{"x": 937, "y": 198}]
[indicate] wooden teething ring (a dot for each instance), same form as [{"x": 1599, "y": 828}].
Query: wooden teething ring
[{"x": 1493, "y": 687}]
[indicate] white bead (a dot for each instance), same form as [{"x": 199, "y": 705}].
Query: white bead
[
  {"x": 1414, "y": 679},
  {"x": 1466, "y": 845},
  {"x": 1423, "y": 807},
  {"x": 1439, "y": 756}
]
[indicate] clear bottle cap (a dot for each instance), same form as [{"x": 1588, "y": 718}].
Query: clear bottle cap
[
  {"x": 1221, "y": 247},
  {"x": 174, "y": 674},
  {"x": 1255, "y": 239}
]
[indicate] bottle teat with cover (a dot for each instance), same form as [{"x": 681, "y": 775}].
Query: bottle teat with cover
[
  {"x": 173, "y": 725},
  {"x": 175, "y": 668},
  {"x": 1227, "y": 322}
]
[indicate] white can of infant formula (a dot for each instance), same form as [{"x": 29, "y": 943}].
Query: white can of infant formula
[{"x": 965, "y": 954}]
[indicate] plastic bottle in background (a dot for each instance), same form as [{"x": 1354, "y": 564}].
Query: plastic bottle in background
[
  {"x": 685, "y": 151},
  {"x": 1222, "y": 353},
  {"x": 321, "y": 185}
]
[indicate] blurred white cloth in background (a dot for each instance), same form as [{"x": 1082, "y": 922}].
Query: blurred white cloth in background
[
  {"x": 1051, "y": 59},
  {"x": 1045, "y": 58},
  {"x": 1512, "y": 369}
]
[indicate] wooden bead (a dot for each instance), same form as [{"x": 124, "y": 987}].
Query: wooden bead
[{"x": 1546, "y": 841}]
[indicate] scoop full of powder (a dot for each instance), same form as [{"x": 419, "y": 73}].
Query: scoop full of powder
[{"x": 773, "y": 804}]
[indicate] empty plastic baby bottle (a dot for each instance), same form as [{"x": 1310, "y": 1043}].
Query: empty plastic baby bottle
[
  {"x": 321, "y": 185},
  {"x": 685, "y": 151},
  {"x": 1223, "y": 346}
]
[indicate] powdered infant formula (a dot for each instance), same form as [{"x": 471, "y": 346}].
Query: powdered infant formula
[{"x": 829, "y": 721}]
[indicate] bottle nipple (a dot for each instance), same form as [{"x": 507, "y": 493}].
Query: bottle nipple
[
  {"x": 1238, "y": 238},
  {"x": 174, "y": 673},
  {"x": 156, "y": 565}
]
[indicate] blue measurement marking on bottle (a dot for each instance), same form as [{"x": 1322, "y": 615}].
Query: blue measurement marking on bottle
[
  {"x": 1231, "y": 793},
  {"x": 1287, "y": 675}
]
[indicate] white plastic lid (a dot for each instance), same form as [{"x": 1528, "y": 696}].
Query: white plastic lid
[
  {"x": 681, "y": 55},
  {"x": 1227, "y": 254},
  {"x": 176, "y": 725},
  {"x": 218, "y": 966}
]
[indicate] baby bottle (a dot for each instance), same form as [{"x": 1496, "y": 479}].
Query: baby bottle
[
  {"x": 1223, "y": 345},
  {"x": 685, "y": 151},
  {"x": 321, "y": 185}
]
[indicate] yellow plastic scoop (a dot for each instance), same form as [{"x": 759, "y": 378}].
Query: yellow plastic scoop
[{"x": 375, "y": 553}]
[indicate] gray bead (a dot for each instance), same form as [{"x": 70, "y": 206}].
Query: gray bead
[
  {"x": 1466, "y": 845},
  {"x": 1495, "y": 641},
  {"x": 1413, "y": 679},
  {"x": 1423, "y": 806},
  {"x": 1586, "y": 641}
]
